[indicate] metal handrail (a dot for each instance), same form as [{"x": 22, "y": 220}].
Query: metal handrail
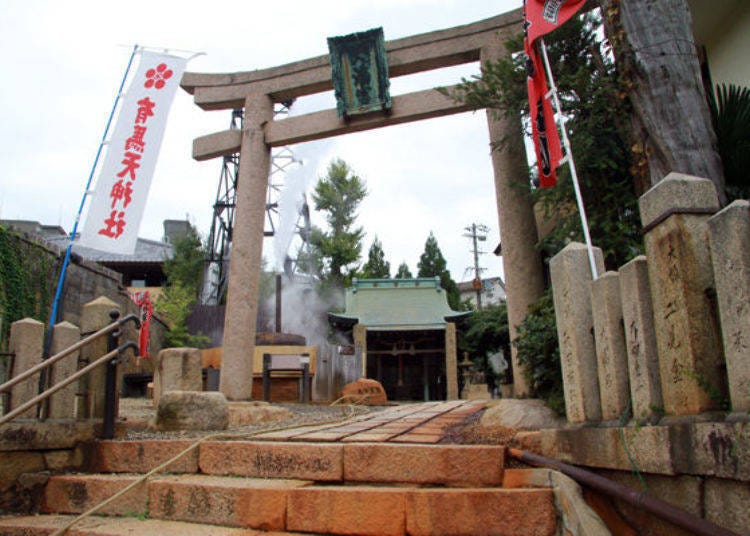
[
  {"x": 67, "y": 381},
  {"x": 77, "y": 346}
]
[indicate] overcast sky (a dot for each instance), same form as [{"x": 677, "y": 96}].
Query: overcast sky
[{"x": 63, "y": 62}]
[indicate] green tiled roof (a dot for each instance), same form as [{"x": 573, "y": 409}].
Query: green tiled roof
[{"x": 397, "y": 304}]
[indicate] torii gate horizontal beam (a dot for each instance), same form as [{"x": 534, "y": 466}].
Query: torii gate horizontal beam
[
  {"x": 423, "y": 52},
  {"x": 406, "y": 108}
]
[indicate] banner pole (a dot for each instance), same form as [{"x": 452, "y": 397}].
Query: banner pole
[
  {"x": 66, "y": 261},
  {"x": 571, "y": 162}
]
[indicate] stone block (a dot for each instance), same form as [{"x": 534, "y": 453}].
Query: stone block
[
  {"x": 521, "y": 414},
  {"x": 675, "y": 213},
  {"x": 177, "y": 369},
  {"x": 472, "y": 465},
  {"x": 571, "y": 276},
  {"x": 191, "y": 410},
  {"x": 74, "y": 494},
  {"x": 306, "y": 461},
  {"x": 729, "y": 237},
  {"x": 235, "y": 502},
  {"x": 438, "y": 512},
  {"x": 684, "y": 492},
  {"x": 26, "y": 338},
  {"x": 14, "y": 464},
  {"x": 47, "y": 435},
  {"x": 726, "y": 504},
  {"x": 142, "y": 456},
  {"x": 720, "y": 449},
  {"x": 94, "y": 316},
  {"x": 609, "y": 337},
  {"x": 336, "y": 510},
  {"x": 365, "y": 391},
  {"x": 640, "y": 339},
  {"x": 64, "y": 460},
  {"x": 63, "y": 403},
  {"x": 256, "y": 412},
  {"x": 650, "y": 447}
]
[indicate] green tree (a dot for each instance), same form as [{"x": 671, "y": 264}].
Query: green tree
[
  {"x": 432, "y": 264},
  {"x": 376, "y": 266},
  {"x": 184, "y": 273},
  {"x": 730, "y": 115},
  {"x": 338, "y": 249},
  {"x": 597, "y": 108},
  {"x": 403, "y": 271},
  {"x": 485, "y": 333}
]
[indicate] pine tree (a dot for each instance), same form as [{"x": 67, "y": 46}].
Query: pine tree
[
  {"x": 403, "y": 271},
  {"x": 432, "y": 264},
  {"x": 376, "y": 266}
]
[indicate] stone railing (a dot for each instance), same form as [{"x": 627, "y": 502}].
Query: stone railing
[{"x": 670, "y": 331}]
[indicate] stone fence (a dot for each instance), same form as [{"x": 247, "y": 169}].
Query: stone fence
[
  {"x": 655, "y": 357},
  {"x": 83, "y": 398},
  {"x": 669, "y": 332}
]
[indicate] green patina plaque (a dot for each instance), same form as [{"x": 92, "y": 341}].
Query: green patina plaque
[{"x": 360, "y": 72}]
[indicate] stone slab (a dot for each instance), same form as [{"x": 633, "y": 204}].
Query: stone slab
[
  {"x": 640, "y": 340},
  {"x": 729, "y": 235},
  {"x": 177, "y": 369},
  {"x": 479, "y": 512},
  {"x": 143, "y": 456},
  {"x": 234, "y": 502},
  {"x": 424, "y": 464},
  {"x": 311, "y": 461},
  {"x": 74, "y": 494},
  {"x": 726, "y": 503},
  {"x": 47, "y": 435},
  {"x": 25, "y": 341},
  {"x": 116, "y": 526},
  {"x": 336, "y": 510},
  {"x": 571, "y": 276},
  {"x": 609, "y": 337}
]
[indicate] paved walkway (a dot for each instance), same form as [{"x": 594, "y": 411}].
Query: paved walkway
[{"x": 411, "y": 423}]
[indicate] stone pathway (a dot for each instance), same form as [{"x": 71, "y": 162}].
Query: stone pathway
[{"x": 424, "y": 423}]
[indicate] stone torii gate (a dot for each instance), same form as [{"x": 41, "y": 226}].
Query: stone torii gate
[{"x": 257, "y": 91}]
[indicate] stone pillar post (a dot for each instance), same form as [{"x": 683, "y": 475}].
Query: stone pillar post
[
  {"x": 359, "y": 334},
  {"x": 451, "y": 362},
  {"x": 522, "y": 266},
  {"x": 674, "y": 214},
  {"x": 609, "y": 337},
  {"x": 640, "y": 338},
  {"x": 236, "y": 379},
  {"x": 177, "y": 369},
  {"x": 91, "y": 388},
  {"x": 729, "y": 233},
  {"x": 62, "y": 404},
  {"x": 26, "y": 340},
  {"x": 571, "y": 284}
]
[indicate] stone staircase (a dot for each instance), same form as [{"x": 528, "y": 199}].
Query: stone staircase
[{"x": 232, "y": 487}]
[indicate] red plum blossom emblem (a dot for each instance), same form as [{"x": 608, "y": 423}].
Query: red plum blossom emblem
[{"x": 157, "y": 78}]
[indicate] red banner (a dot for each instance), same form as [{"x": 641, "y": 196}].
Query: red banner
[
  {"x": 540, "y": 18},
  {"x": 143, "y": 300}
]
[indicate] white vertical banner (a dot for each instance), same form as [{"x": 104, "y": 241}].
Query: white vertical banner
[{"x": 116, "y": 208}]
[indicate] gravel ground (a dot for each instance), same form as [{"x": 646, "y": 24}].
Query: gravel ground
[{"x": 137, "y": 413}]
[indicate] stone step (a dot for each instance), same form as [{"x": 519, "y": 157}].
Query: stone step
[
  {"x": 454, "y": 465},
  {"x": 302, "y": 506},
  {"x": 43, "y": 525}
]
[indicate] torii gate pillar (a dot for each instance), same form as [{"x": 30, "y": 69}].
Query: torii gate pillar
[
  {"x": 236, "y": 378},
  {"x": 522, "y": 265}
]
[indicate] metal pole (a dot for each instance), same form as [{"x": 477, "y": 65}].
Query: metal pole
[
  {"x": 66, "y": 261},
  {"x": 571, "y": 162},
  {"x": 110, "y": 381}
]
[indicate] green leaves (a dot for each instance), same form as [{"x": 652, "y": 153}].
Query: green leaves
[{"x": 730, "y": 115}]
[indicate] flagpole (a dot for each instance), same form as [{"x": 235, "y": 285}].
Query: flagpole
[
  {"x": 66, "y": 261},
  {"x": 571, "y": 162}
]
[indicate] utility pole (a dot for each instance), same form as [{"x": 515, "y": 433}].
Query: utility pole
[{"x": 478, "y": 233}]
